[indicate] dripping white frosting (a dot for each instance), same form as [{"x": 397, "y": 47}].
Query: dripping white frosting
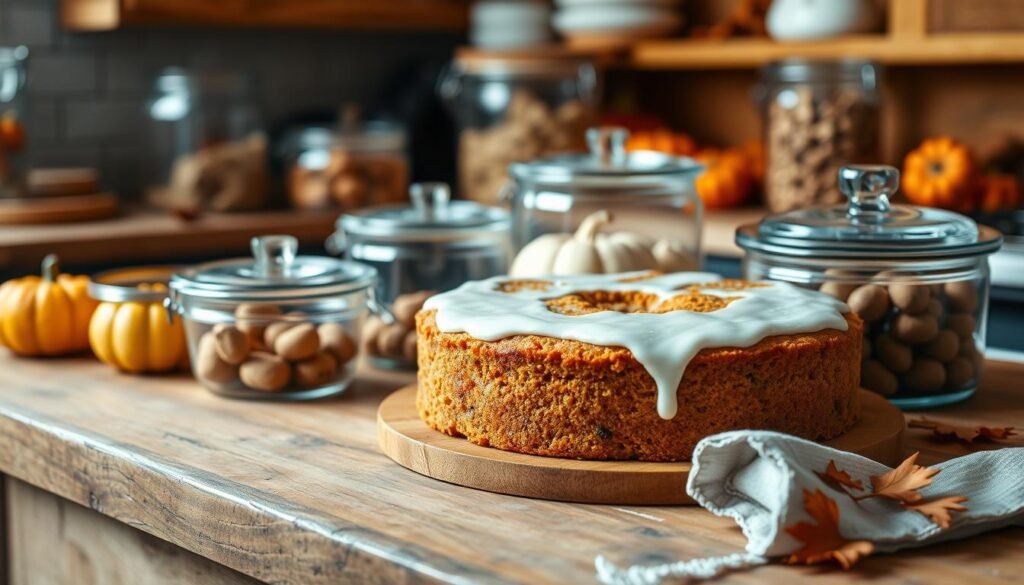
[{"x": 664, "y": 343}]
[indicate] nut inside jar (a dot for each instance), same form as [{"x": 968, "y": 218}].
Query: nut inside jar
[
  {"x": 920, "y": 337},
  {"x": 395, "y": 343},
  {"x": 267, "y": 350}
]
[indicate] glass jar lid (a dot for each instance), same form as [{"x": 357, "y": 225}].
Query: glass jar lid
[
  {"x": 608, "y": 164},
  {"x": 432, "y": 217},
  {"x": 274, "y": 272},
  {"x": 869, "y": 225}
]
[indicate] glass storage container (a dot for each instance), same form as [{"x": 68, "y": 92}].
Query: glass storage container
[
  {"x": 513, "y": 107},
  {"x": 362, "y": 165},
  {"x": 13, "y": 76},
  {"x": 210, "y": 152},
  {"x": 648, "y": 195},
  {"x": 818, "y": 116},
  {"x": 434, "y": 245},
  {"x": 918, "y": 277},
  {"x": 129, "y": 329},
  {"x": 276, "y": 325}
]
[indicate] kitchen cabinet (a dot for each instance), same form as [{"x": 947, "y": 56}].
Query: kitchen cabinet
[{"x": 101, "y": 15}]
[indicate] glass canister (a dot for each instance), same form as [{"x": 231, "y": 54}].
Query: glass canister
[
  {"x": 210, "y": 152},
  {"x": 434, "y": 245},
  {"x": 514, "y": 107},
  {"x": 362, "y": 165},
  {"x": 637, "y": 210},
  {"x": 13, "y": 77},
  {"x": 918, "y": 277},
  {"x": 818, "y": 116},
  {"x": 276, "y": 325},
  {"x": 129, "y": 329}
]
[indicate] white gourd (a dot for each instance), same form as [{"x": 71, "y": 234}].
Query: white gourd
[
  {"x": 673, "y": 256},
  {"x": 588, "y": 251},
  {"x": 537, "y": 257}
]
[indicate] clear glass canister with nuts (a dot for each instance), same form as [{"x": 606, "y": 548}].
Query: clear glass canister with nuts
[
  {"x": 818, "y": 116},
  {"x": 917, "y": 277},
  {"x": 515, "y": 106},
  {"x": 359, "y": 166},
  {"x": 434, "y": 244},
  {"x": 275, "y": 326}
]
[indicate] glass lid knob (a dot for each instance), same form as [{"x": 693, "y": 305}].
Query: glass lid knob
[
  {"x": 430, "y": 199},
  {"x": 608, "y": 144},
  {"x": 868, "y": 188},
  {"x": 274, "y": 254}
]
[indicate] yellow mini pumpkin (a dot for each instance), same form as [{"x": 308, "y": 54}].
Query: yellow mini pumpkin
[
  {"x": 726, "y": 180},
  {"x": 46, "y": 315},
  {"x": 941, "y": 172},
  {"x": 136, "y": 335}
]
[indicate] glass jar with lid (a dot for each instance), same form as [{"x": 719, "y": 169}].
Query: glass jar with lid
[
  {"x": 918, "y": 278},
  {"x": 641, "y": 200},
  {"x": 276, "y": 325},
  {"x": 364, "y": 164},
  {"x": 13, "y": 77},
  {"x": 818, "y": 116},
  {"x": 513, "y": 107},
  {"x": 210, "y": 151},
  {"x": 431, "y": 246}
]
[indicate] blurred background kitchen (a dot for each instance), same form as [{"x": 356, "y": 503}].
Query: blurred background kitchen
[{"x": 137, "y": 131}]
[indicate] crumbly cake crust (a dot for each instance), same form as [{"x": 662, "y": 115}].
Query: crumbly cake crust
[{"x": 564, "y": 398}]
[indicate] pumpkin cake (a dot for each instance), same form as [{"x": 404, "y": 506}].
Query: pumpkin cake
[{"x": 634, "y": 366}]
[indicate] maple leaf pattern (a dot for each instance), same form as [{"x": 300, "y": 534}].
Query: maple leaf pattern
[
  {"x": 901, "y": 484},
  {"x": 823, "y": 541},
  {"x": 938, "y": 510},
  {"x": 838, "y": 479},
  {"x": 966, "y": 435}
]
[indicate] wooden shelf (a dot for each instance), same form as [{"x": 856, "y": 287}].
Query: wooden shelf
[
  {"x": 104, "y": 15},
  {"x": 947, "y": 49},
  {"x": 148, "y": 236}
]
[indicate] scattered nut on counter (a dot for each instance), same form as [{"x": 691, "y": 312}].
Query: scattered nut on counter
[
  {"x": 396, "y": 341},
  {"x": 810, "y": 135},
  {"x": 530, "y": 129},
  {"x": 919, "y": 338},
  {"x": 275, "y": 356}
]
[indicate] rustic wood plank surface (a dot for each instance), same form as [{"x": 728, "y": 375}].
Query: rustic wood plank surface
[{"x": 300, "y": 493}]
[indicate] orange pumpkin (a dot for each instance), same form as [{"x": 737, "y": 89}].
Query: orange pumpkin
[
  {"x": 662, "y": 140},
  {"x": 726, "y": 181},
  {"x": 941, "y": 172},
  {"x": 999, "y": 192}
]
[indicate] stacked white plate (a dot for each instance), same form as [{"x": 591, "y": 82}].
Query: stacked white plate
[
  {"x": 610, "y": 24},
  {"x": 510, "y": 24}
]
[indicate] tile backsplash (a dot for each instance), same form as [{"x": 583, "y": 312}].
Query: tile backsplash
[{"x": 87, "y": 91}]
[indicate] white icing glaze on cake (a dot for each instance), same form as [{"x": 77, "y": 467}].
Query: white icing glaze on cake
[{"x": 664, "y": 343}]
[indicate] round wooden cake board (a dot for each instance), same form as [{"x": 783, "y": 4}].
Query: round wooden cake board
[{"x": 411, "y": 443}]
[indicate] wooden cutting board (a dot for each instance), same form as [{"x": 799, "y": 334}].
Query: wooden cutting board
[
  {"x": 411, "y": 443},
  {"x": 72, "y": 208}
]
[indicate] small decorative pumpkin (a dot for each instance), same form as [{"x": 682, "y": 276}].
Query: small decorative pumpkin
[
  {"x": 999, "y": 192},
  {"x": 590, "y": 252},
  {"x": 137, "y": 336},
  {"x": 662, "y": 140},
  {"x": 726, "y": 181},
  {"x": 941, "y": 172},
  {"x": 47, "y": 315}
]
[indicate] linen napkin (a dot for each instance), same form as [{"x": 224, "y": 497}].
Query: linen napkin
[{"x": 758, "y": 478}]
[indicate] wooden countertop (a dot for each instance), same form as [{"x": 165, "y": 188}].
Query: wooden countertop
[
  {"x": 291, "y": 493},
  {"x": 152, "y": 236}
]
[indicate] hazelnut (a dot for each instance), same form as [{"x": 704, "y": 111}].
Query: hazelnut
[
  {"x": 297, "y": 343},
  {"x": 265, "y": 371}
]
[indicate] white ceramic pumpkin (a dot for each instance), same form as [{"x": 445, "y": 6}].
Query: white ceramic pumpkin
[{"x": 590, "y": 251}]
